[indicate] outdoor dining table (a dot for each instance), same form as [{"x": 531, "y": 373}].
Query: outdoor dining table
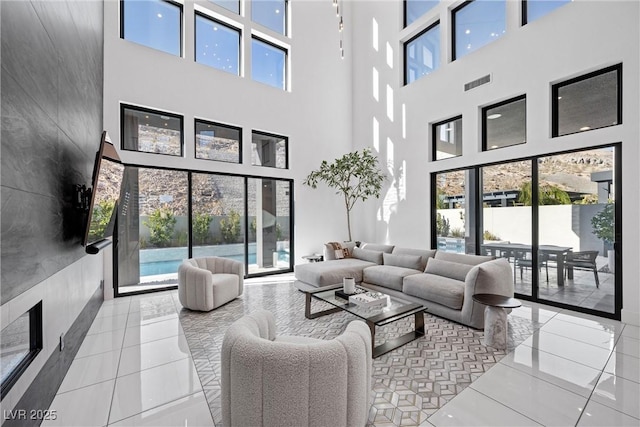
[{"x": 560, "y": 253}]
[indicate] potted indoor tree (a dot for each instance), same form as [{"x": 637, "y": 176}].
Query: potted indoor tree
[
  {"x": 603, "y": 226},
  {"x": 355, "y": 176}
]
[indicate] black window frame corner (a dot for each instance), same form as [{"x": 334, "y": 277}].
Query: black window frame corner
[
  {"x": 524, "y": 15},
  {"x": 124, "y": 106},
  {"x": 180, "y": 6},
  {"x": 618, "y": 67},
  {"x": 452, "y": 17},
  {"x": 197, "y": 120},
  {"x": 483, "y": 120},
  {"x": 405, "y": 45},
  {"x": 434, "y": 126},
  {"x": 36, "y": 345},
  {"x": 286, "y": 58}
]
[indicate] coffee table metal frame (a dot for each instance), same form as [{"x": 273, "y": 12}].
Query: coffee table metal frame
[{"x": 375, "y": 316}]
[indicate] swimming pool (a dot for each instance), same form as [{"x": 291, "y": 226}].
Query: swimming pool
[{"x": 167, "y": 260}]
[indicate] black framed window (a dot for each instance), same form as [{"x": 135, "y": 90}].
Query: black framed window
[
  {"x": 447, "y": 138},
  {"x": 153, "y": 23},
  {"x": 534, "y": 9},
  {"x": 268, "y": 63},
  {"x": 232, "y": 5},
  {"x": 20, "y": 342},
  {"x": 219, "y": 142},
  {"x": 151, "y": 131},
  {"x": 269, "y": 150},
  {"x": 422, "y": 54},
  {"x": 477, "y": 23},
  {"x": 414, "y": 9},
  {"x": 271, "y": 14},
  {"x": 504, "y": 124},
  {"x": 588, "y": 102},
  {"x": 217, "y": 44}
]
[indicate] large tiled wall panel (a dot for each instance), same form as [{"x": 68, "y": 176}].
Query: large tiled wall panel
[
  {"x": 52, "y": 100},
  {"x": 52, "y": 79}
]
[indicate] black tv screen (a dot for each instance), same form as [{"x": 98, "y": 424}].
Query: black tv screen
[{"x": 105, "y": 193}]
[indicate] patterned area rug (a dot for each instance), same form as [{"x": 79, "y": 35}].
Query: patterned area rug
[{"x": 409, "y": 384}]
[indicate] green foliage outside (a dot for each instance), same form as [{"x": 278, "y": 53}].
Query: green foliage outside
[
  {"x": 161, "y": 224},
  {"x": 487, "y": 235},
  {"x": 547, "y": 195},
  {"x": 442, "y": 225},
  {"x": 457, "y": 232},
  {"x": 200, "y": 227},
  {"x": 356, "y": 176},
  {"x": 100, "y": 219},
  {"x": 230, "y": 227},
  {"x": 603, "y": 223}
]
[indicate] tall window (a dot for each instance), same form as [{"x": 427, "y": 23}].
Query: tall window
[
  {"x": 455, "y": 227},
  {"x": 477, "y": 23},
  {"x": 504, "y": 124},
  {"x": 422, "y": 53},
  {"x": 217, "y": 45},
  {"x": 151, "y": 131},
  {"x": 218, "y": 216},
  {"x": 269, "y": 150},
  {"x": 270, "y": 224},
  {"x": 232, "y": 5},
  {"x": 218, "y": 142},
  {"x": 447, "y": 139},
  {"x": 534, "y": 9},
  {"x": 153, "y": 237},
  {"x": 153, "y": 23},
  {"x": 268, "y": 63},
  {"x": 587, "y": 102},
  {"x": 271, "y": 14}
]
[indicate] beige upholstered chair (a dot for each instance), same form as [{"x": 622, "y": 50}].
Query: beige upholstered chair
[
  {"x": 294, "y": 381},
  {"x": 207, "y": 283}
]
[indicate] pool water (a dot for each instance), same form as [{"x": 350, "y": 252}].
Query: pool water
[{"x": 168, "y": 266}]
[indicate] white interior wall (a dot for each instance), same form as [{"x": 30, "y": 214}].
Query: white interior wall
[
  {"x": 315, "y": 114},
  {"x": 577, "y": 38}
]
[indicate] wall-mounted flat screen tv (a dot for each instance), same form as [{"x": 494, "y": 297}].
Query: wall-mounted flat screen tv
[{"x": 107, "y": 177}]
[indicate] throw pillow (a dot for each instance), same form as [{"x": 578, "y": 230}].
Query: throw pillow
[
  {"x": 405, "y": 261},
  {"x": 339, "y": 251},
  {"x": 452, "y": 270},
  {"x": 365, "y": 255}
]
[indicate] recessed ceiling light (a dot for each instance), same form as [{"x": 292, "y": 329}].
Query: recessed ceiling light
[
  {"x": 215, "y": 28},
  {"x": 467, "y": 31},
  {"x": 277, "y": 10},
  {"x": 585, "y": 128},
  {"x": 614, "y": 123},
  {"x": 494, "y": 146},
  {"x": 159, "y": 15},
  {"x": 494, "y": 116},
  {"x": 165, "y": 117},
  {"x": 559, "y": 97}
]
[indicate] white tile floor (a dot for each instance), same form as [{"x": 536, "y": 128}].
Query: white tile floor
[{"x": 134, "y": 368}]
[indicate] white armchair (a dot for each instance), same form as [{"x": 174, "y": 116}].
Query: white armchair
[
  {"x": 207, "y": 283},
  {"x": 294, "y": 381}
]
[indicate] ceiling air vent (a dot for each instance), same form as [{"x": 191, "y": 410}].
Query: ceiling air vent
[{"x": 477, "y": 82}]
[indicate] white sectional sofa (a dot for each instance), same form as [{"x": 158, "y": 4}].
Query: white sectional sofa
[{"x": 443, "y": 282}]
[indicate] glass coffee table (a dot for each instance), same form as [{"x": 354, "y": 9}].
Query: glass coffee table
[{"x": 394, "y": 310}]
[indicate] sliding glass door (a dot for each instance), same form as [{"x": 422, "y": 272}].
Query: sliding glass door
[
  {"x": 152, "y": 228},
  {"x": 506, "y": 218},
  {"x": 576, "y": 229},
  {"x": 554, "y": 218},
  {"x": 171, "y": 215}
]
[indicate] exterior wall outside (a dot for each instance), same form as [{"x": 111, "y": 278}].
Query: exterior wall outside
[
  {"x": 52, "y": 61},
  {"x": 315, "y": 114},
  {"x": 393, "y": 119},
  {"x": 562, "y": 225}
]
